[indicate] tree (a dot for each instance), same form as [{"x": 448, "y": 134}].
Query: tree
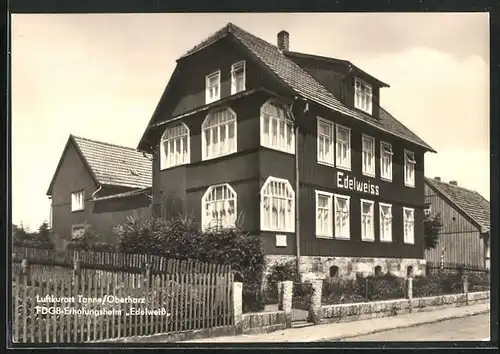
[
  {"x": 432, "y": 228},
  {"x": 43, "y": 235},
  {"x": 19, "y": 233}
]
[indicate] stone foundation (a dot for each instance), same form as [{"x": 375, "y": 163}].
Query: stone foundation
[{"x": 319, "y": 267}]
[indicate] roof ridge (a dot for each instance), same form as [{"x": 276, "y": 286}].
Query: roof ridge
[
  {"x": 456, "y": 186},
  {"x": 105, "y": 143}
]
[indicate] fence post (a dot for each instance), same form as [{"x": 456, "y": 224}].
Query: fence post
[
  {"x": 409, "y": 293},
  {"x": 315, "y": 306},
  {"x": 238, "y": 307},
  {"x": 25, "y": 270},
  {"x": 465, "y": 282},
  {"x": 76, "y": 275},
  {"x": 286, "y": 293}
]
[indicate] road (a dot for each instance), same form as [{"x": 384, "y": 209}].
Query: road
[{"x": 473, "y": 328}]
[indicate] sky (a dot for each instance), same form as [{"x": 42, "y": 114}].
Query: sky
[{"x": 101, "y": 76}]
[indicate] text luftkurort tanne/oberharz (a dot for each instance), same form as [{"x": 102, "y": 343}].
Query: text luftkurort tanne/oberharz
[{"x": 50, "y": 304}]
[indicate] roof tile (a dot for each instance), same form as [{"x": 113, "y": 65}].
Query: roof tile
[{"x": 116, "y": 165}]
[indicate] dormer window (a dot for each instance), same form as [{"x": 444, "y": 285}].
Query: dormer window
[
  {"x": 212, "y": 90},
  {"x": 238, "y": 77},
  {"x": 362, "y": 96}
]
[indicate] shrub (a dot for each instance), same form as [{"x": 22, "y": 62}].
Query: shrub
[
  {"x": 279, "y": 272},
  {"x": 479, "y": 282},
  {"x": 437, "y": 284},
  {"x": 371, "y": 288},
  {"x": 181, "y": 239}
]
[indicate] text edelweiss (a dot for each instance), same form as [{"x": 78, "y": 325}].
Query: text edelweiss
[{"x": 106, "y": 299}]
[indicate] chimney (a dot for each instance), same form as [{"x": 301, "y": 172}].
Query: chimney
[
  {"x": 455, "y": 183},
  {"x": 283, "y": 41},
  {"x": 437, "y": 179}
]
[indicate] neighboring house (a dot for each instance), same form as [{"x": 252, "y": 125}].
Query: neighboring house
[
  {"x": 99, "y": 185},
  {"x": 224, "y": 130},
  {"x": 465, "y": 235}
]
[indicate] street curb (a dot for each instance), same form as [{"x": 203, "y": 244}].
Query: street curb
[{"x": 447, "y": 318}]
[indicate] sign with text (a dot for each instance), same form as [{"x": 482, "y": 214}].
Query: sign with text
[{"x": 352, "y": 183}]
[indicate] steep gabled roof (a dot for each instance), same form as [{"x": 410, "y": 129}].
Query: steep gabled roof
[
  {"x": 303, "y": 84},
  {"x": 473, "y": 204},
  {"x": 110, "y": 164}
]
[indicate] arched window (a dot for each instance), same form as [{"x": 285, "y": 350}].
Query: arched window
[
  {"x": 174, "y": 149},
  {"x": 378, "y": 271},
  {"x": 277, "y": 205},
  {"x": 334, "y": 271},
  {"x": 276, "y": 129},
  {"x": 218, "y": 134},
  {"x": 218, "y": 206}
]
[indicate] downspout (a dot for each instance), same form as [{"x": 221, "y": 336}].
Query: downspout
[
  {"x": 297, "y": 183},
  {"x": 96, "y": 191}
]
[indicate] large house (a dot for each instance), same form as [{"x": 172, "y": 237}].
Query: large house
[
  {"x": 97, "y": 185},
  {"x": 297, "y": 148},
  {"x": 464, "y": 238}
]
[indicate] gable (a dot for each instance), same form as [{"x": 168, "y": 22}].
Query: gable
[{"x": 468, "y": 203}]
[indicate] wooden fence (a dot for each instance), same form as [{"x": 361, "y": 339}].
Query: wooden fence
[
  {"x": 50, "y": 306},
  {"x": 114, "y": 261},
  {"x": 454, "y": 268}
]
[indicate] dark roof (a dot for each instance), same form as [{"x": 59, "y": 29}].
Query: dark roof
[
  {"x": 346, "y": 63},
  {"x": 110, "y": 164},
  {"x": 473, "y": 204},
  {"x": 303, "y": 84}
]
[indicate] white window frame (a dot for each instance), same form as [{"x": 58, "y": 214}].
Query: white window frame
[
  {"x": 428, "y": 210},
  {"x": 409, "y": 238},
  {"x": 83, "y": 227},
  {"x": 218, "y": 149},
  {"x": 325, "y": 141},
  {"x": 346, "y": 234},
  {"x": 234, "y": 69},
  {"x": 282, "y": 125},
  {"x": 410, "y": 162},
  {"x": 341, "y": 164},
  {"x": 366, "y": 172},
  {"x": 389, "y": 237},
  {"x": 290, "y": 218},
  {"x": 363, "y": 96},
  {"x": 78, "y": 200},
  {"x": 230, "y": 196},
  {"x": 388, "y": 155},
  {"x": 177, "y": 135},
  {"x": 208, "y": 98},
  {"x": 370, "y": 237},
  {"x": 328, "y": 232}
]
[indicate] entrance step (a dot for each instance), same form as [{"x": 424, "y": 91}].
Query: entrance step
[{"x": 301, "y": 324}]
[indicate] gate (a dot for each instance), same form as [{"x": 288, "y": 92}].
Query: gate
[{"x": 301, "y": 302}]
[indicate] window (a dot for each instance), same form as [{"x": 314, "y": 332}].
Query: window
[
  {"x": 325, "y": 142},
  {"x": 343, "y": 147},
  {"x": 409, "y": 272},
  {"x": 77, "y": 201},
  {"x": 174, "y": 150},
  {"x": 368, "y": 156},
  {"x": 385, "y": 222},
  {"x": 342, "y": 229},
  {"x": 386, "y": 161},
  {"x": 219, "y": 207},
  {"x": 324, "y": 211},
  {"x": 409, "y": 169},
  {"x": 212, "y": 87},
  {"x": 277, "y": 130},
  {"x": 428, "y": 210},
  {"x": 334, "y": 271},
  {"x": 362, "y": 96},
  {"x": 409, "y": 225},
  {"x": 238, "y": 77},
  {"x": 218, "y": 134},
  {"x": 277, "y": 205},
  {"x": 378, "y": 271},
  {"x": 367, "y": 220},
  {"x": 77, "y": 232}
]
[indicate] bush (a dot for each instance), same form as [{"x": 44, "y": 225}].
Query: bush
[
  {"x": 371, "y": 288},
  {"x": 181, "y": 239},
  {"x": 279, "y": 272},
  {"x": 479, "y": 281},
  {"x": 437, "y": 284}
]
